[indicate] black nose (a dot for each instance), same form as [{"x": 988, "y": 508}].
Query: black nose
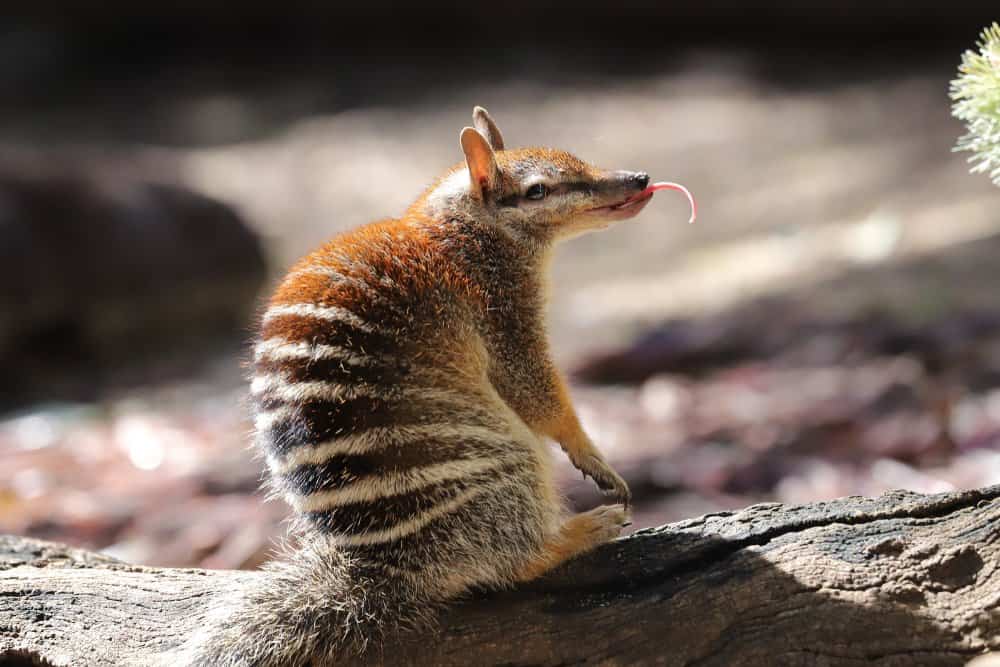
[{"x": 640, "y": 180}]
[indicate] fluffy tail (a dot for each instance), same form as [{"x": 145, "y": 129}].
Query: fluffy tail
[{"x": 316, "y": 606}]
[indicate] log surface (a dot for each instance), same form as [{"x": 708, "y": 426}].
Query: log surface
[{"x": 901, "y": 579}]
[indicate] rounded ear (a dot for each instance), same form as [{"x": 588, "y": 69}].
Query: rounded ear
[
  {"x": 483, "y": 171},
  {"x": 484, "y": 123}
]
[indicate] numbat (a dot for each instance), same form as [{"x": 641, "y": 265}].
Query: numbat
[{"x": 405, "y": 396}]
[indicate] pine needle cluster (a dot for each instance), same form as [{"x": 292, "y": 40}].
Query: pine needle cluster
[{"x": 976, "y": 95}]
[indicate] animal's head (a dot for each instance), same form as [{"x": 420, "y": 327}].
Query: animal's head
[{"x": 539, "y": 193}]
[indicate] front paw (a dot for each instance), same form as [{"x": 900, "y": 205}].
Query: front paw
[
  {"x": 608, "y": 521},
  {"x": 607, "y": 480}
]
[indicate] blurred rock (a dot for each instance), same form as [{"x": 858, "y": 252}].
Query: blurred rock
[{"x": 102, "y": 269}]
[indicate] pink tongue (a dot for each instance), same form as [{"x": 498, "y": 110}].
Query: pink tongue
[{"x": 673, "y": 186}]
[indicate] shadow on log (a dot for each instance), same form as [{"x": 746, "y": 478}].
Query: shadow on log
[{"x": 902, "y": 579}]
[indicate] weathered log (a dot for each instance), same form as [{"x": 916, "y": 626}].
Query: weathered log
[{"x": 902, "y": 579}]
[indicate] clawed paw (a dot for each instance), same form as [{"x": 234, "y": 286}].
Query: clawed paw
[
  {"x": 607, "y": 480},
  {"x": 609, "y": 520}
]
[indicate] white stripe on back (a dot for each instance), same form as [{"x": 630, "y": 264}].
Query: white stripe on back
[
  {"x": 326, "y": 313},
  {"x": 318, "y": 270},
  {"x": 265, "y": 420},
  {"x": 278, "y": 349},
  {"x": 408, "y": 527},
  {"x": 277, "y": 387},
  {"x": 335, "y": 276},
  {"x": 391, "y": 483},
  {"x": 379, "y": 437}
]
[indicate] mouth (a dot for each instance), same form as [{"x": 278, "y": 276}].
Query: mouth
[
  {"x": 632, "y": 205},
  {"x": 624, "y": 209}
]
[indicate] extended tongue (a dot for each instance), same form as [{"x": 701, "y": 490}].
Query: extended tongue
[{"x": 673, "y": 186}]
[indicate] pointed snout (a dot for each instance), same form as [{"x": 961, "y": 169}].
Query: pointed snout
[{"x": 633, "y": 179}]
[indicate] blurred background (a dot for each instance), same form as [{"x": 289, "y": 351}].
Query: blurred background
[{"x": 829, "y": 326}]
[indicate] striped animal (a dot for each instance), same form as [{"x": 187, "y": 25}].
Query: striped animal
[{"x": 405, "y": 396}]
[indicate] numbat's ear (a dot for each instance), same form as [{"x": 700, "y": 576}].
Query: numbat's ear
[
  {"x": 484, "y": 123},
  {"x": 482, "y": 163}
]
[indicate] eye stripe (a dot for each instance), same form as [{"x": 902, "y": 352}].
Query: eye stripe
[
  {"x": 578, "y": 186},
  {"x": 556, "y": 189}
]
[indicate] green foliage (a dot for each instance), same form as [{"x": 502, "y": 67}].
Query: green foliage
[{"x": 976, "y": 93}]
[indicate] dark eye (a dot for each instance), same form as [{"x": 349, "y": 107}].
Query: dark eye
[{"x": 536, "y": 191}]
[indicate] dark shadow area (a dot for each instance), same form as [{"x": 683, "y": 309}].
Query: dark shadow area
[
  {"x": 105, "y": 277},
  {"x": 273, "y": 67},
  {"x": 23, "y": 659}
]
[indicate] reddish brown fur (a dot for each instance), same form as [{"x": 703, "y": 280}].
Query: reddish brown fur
[
  {"x": 412, "y": 345},
  {"x": 399, "y": 249}
]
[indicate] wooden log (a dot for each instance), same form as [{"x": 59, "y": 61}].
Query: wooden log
[{"x": 902, "y": 579}]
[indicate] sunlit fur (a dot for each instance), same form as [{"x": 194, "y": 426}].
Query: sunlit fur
[
  {"x": 405, "y": 395},
  {"x": 559, "y": 216}
]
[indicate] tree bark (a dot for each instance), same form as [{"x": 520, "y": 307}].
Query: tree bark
[{"x": 902, "y": 579}]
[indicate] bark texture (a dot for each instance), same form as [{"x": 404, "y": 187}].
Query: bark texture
[{"x": 902, "y": 579}]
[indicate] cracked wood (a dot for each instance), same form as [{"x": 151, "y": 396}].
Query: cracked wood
[{"x": 897, "y": 580}]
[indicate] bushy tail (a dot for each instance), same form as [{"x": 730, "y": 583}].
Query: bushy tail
[{"x": 316, "y": 606}]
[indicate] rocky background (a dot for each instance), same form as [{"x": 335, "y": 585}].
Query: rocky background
[{"x": 828, "y": 327}]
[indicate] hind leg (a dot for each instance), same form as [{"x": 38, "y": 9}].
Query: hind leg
[{"x": 580, "y": 534}]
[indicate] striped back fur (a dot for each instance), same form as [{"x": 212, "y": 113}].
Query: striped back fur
[
  {"x": 374, "y": 410},
  {"x": 394, "y": 380}
]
